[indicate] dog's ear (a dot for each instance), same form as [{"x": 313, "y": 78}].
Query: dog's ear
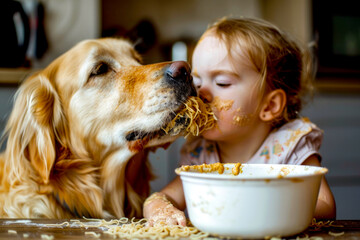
[{"x": 34, "y": 124}]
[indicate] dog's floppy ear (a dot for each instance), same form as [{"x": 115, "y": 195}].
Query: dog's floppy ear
[{"x": 34, "y": 124}]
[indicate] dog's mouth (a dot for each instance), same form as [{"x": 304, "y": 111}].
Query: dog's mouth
[
  {"x": 180, "y": 125},
  {"x": 138, "y": 139},
  {"x": 194, "y": 117}
]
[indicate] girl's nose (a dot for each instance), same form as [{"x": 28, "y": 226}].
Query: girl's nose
[{"x": 205, "y": 94}]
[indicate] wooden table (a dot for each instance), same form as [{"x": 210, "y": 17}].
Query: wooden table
[{"x": 39, "y": 229}]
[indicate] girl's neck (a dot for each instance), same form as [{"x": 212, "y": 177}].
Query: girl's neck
[{"x": 243, "y": 149}]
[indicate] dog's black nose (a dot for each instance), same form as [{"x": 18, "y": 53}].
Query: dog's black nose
[{"x": 179, "y": 71}]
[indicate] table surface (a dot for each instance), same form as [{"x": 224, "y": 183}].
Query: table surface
[{"x": 40, "y": 229}]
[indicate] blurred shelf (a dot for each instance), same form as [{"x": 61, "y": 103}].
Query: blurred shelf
[
  {"x": 14, "y": 76},
  {"x": 341, "y": 85}
]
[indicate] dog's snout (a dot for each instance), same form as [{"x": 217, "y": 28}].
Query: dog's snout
[{"x": 179, "y": 70}]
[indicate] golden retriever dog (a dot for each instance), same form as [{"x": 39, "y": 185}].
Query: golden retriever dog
[{"x": 79, "y": 132}]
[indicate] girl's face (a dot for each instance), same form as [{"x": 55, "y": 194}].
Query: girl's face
[{"x": 229, "y": 86}]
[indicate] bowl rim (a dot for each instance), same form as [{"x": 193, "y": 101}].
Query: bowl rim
[{"x": 209, "y": 175}]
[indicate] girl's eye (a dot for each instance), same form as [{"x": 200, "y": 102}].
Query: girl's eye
[{"x": 223, "y": 84}]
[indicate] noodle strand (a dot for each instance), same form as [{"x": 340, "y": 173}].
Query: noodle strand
[{"x": 200, "y": 117}]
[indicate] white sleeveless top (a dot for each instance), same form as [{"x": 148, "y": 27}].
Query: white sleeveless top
[{"x": 292, "y": 143}]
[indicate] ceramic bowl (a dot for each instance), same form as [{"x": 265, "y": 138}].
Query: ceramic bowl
[{"x": 262, "y": 200}]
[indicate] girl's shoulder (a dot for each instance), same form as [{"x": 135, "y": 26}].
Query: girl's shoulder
[
  {"x": 303, "y": 123},
  {"x": 295, "y": 130},
  {"x": 292, "y": 143}
]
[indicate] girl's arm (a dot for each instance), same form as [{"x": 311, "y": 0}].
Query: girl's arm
[
  {"x": 167, "y": 205},
  {"x": 325, "y": 206}
]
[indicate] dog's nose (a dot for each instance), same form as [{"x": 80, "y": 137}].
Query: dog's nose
[{"x": 179, "y": 70}]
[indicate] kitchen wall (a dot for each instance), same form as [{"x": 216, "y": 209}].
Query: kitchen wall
[
  {"x": 335, "y": 107},
  {"x": 186, "y": 20},
  {"x": 173, "y": 20},
  {"x": 66, "y": 23}
]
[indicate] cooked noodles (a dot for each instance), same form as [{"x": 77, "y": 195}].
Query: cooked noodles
[
  {"x": 125, "y": 228},
  {"x": 199, "y": 117},
  {"x": 139, "y": 229},
  {"x": 319, "y": 225}
]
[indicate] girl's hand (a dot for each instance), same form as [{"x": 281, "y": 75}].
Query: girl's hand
[{"x": 159, "y": 210}]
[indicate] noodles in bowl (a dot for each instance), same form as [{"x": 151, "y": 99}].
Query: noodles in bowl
[{"x": 251, "y": 200}]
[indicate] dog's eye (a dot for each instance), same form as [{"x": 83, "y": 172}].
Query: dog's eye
[{"x": 99, "y": 69}]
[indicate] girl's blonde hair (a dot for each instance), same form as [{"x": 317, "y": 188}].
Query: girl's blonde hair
[{"x": 281, "y": 61}]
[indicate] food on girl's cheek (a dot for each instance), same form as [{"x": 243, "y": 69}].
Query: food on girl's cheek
[
  {"x": 242, "y": 120},
  {"x": 199, "y": 115},
  {"x": 222, "y": 105},
  {"x": 239, "y": 119}
]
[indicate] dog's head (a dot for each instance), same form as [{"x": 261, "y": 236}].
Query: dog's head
[
  {"x": 117, "y": 101},
  {"x": 95, "y": 100}
]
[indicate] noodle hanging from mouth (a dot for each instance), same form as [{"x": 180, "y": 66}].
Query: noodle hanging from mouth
[{"x": 200, "y": 117}]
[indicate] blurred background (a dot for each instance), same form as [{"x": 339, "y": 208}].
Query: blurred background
[{"x": 35, "y": 32}]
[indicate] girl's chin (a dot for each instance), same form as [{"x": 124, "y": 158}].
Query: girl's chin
[{"x": 212, "y": 134}]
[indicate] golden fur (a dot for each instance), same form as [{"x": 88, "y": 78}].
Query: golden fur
[{"x": 69, "y": 135}]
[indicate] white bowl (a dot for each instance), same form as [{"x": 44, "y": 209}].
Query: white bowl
[{"x": 264, "y": 200}]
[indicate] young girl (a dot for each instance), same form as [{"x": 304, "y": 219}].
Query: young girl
[{"x": 254, "y": 76}]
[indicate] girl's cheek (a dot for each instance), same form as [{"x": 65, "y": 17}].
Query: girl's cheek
[
  {"x": 242, "y": 119},
  {"x": 223, "y": 111},
  {"x": 221, "y": 104}
]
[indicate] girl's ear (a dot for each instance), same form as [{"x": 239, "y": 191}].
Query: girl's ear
[{"x": 273, "y": 105}]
